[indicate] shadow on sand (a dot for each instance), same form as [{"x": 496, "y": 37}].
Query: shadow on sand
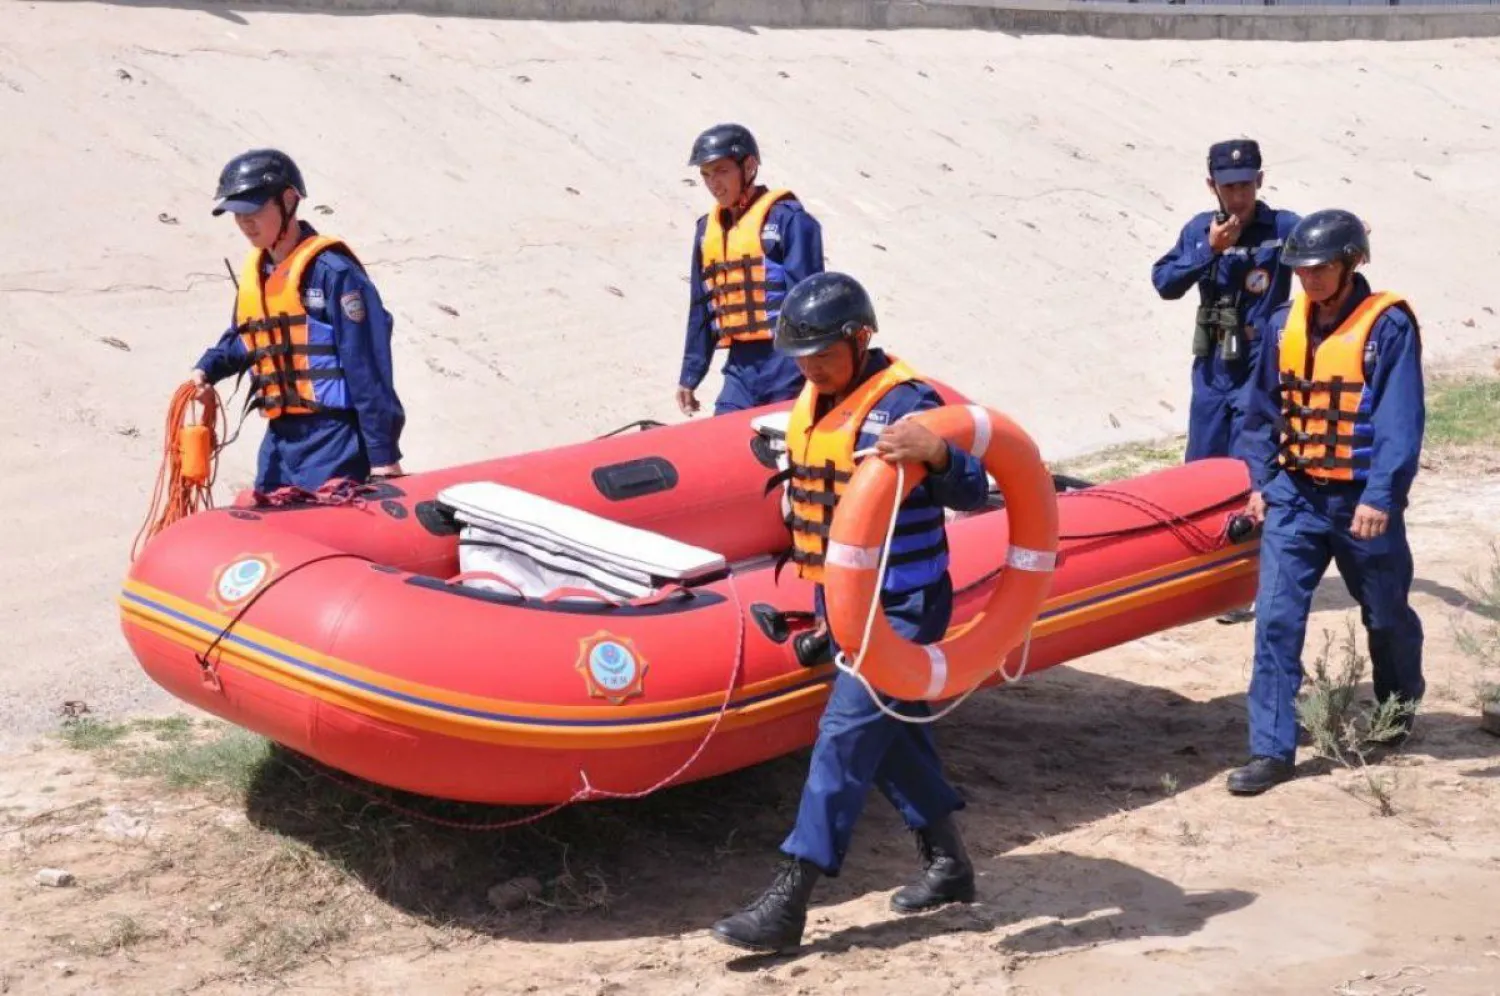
[
  {"x": 1056, "y": 752},
  {"x": 1044, "y": 756}
]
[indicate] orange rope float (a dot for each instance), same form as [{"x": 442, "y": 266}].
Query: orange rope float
[{"x": 189, "y": 465}]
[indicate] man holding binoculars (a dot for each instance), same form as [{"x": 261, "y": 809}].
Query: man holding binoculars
[{"x": 1233, "y": 256}]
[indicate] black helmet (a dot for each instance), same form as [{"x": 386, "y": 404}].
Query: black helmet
[
  {"x": 252, "y": 178},
  {"x": 821, "y": 310},
  {"x": 1325, "y": 236},
  {"x": 723, "y": 141}
]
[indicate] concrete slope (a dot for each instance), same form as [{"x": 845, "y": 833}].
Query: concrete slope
[{"x": 520, "y": 194}]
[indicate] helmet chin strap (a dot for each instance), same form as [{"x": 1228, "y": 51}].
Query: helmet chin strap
[
  {"x": 860, "y": 345},
  {"x": 747, "y": 187},
  {"x": 1345, "y": 284},
  {"x": 859, "y": 354},
  {"x": 286, "y": 216},
  {"x": 1346, "y": 276}
]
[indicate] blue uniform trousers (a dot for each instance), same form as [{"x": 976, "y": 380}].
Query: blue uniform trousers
[
  {"x": 307, "y": 451},
  {"x": 859, "y": 746},
  {"x": 1307, "y": 526},
  {"x": 754, "y": 375},
  {"x": 1216, "y": 408}
]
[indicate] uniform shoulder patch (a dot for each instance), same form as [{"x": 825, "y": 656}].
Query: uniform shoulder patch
[{"x": 352, "y": 305}]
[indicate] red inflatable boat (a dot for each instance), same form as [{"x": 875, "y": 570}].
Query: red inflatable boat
[{"x": 602, "y": 618}]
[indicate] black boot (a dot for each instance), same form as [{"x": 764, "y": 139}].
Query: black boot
[
  {"x": 1260, "y": 774},
  {"x": 774, "y": 921},
  {"x": 947, "y": 875}
]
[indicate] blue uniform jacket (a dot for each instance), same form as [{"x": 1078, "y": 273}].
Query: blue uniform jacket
[
  {"x": 1253, "y": 267},
  {"x": 364, "y": 348},
  {"x": 1393, "y": 370},
  {"x": 961, "y": 486},
  {"x": 791, "y": 236}
]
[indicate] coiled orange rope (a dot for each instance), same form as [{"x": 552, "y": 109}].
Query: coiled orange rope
[{"x": 189, "y": 465}]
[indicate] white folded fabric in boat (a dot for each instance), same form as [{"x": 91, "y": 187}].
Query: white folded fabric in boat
[
  {"x": 537, "y": 573},
  {"x": 543, "y": 545}
]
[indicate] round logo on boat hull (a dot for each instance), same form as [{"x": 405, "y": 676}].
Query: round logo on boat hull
[
  {"x": 612, "y": 668},
  {"x": 241, "y": 579}
]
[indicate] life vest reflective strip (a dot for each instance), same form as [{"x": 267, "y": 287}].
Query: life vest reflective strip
[
  {"x": 744, "y": 289},
  {"x": 273, "y": 326},
  {"x": 821, "y": 462},
  {"x": 1325, "y": 429}
]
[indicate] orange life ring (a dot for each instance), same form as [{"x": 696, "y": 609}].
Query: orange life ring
[{"x": 857, "y": 535}]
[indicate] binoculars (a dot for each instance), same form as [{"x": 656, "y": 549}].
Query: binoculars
[{"x": 1219, "y": 325}]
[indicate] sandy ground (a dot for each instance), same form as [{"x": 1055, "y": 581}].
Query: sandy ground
[
  {"x": 520, "y": 194},
  {"x": 1111, "y": 859}
]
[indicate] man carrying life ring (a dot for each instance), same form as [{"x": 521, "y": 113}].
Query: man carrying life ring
[{"x": 854, "y": 400}]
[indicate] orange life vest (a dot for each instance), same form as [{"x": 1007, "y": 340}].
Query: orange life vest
[
  {"x": 293, "y": 362},
  {"x": 743, "y": 287},
  {"x": 821, "y": 459},
  {"x": 1325, "y": 427}
]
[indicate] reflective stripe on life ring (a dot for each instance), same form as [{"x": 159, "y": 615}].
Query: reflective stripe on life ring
[{"x": 967, "y": 654}]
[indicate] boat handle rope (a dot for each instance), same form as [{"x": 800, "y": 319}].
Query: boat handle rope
[
  {"x": 1181, "y": 526},
  {"x": 841, "y": 660},
  {"x": 208, "y": 662},
  {"x": 587, "y": 791}
]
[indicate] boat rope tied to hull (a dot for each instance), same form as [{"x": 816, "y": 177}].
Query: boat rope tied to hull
[
  {"x": 586, "y": 791},
  {"x": 208, "y": 661},
  {"x": 642, "y": 424},
  {"x": 736, "y": 674},
  {"x": 850, "y": 563},
  {"x": 189, "y": 464},
  {"x": 1193, "y": 536},
  {"x": 1237, "y": 528}
]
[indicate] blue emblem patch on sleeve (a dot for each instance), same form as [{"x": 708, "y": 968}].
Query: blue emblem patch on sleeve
[{"x": 353, "y": 306}]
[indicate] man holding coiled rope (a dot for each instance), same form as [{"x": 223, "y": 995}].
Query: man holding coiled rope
[{"x": 311, "y": 330}]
